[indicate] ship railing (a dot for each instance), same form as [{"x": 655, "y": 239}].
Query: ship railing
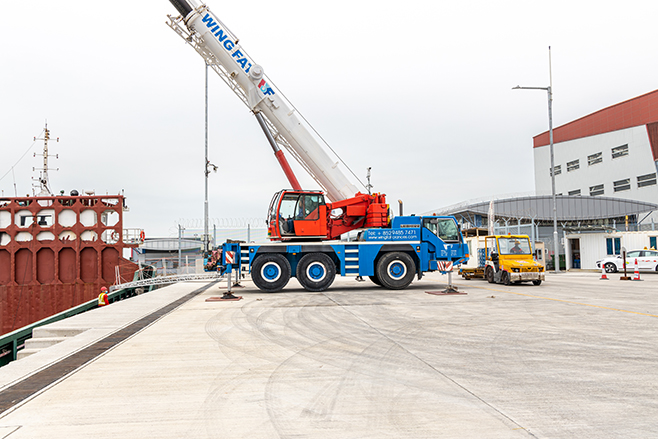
[{"x": 133, "y": 236}]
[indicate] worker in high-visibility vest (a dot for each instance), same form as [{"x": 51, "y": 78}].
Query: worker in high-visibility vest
[{"x": 102, "y": 297}]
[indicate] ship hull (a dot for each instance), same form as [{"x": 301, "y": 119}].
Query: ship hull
[{"x": 56, "y": 253}]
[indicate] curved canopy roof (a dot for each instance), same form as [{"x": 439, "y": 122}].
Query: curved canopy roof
[{"x": 569, "y": 208}]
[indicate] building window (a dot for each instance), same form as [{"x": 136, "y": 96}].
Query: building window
[
  {"x": 594, "y": 158},
  {"x": 558, "y": 170},
  {"x": 646, "y": 180},
  {"x": 596, "y": 190},
  {"x": 652, "y": 242},
  {"x": 613, "y": 245},
  {"x": 622, "y": 185},
  {"x": 572, "y": 166},
  {"x": 620, "y": 151},
  {"x": 576, "y": 192}
]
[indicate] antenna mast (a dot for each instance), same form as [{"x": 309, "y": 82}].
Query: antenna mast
[{"x": 44, "y": 184}]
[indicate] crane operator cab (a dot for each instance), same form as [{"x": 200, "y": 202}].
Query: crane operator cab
[
  {"x": 445, "y": 228},
  {"x": 297, "y": 214}
]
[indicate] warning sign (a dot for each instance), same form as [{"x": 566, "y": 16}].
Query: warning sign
[{"x": 444, "y": 265}]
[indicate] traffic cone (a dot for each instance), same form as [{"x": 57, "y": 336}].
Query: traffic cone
[
  {"x": 603, "y": 275},
  {"x": 636, "y": 273}
]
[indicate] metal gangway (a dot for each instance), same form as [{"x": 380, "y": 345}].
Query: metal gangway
[{"x": 166, "y": 280}]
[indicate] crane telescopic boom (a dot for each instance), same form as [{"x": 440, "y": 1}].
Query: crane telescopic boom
[
  {"x": 296, "y": 214},
  {"x": 222, "y": 51}
]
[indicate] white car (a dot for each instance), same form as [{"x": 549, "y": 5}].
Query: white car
[{"x": 647, "y": 260}]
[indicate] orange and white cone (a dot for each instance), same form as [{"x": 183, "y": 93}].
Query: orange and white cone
[
  {"x": 636, "y": 273},
  {"x": 603, "y": 275}
]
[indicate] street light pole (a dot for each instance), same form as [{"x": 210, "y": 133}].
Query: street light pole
[
  {"x": 549, "y": 91},
  {"x": 206, "y": 235}
]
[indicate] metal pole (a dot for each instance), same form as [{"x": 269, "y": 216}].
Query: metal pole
[
  {"x": 549, "y": 91},
  {"x": 532, "y": 234},
  {"x": 556, "y": 248},
  {"x": 180, "y": 233},
  {"x": 206, "y": 235}
]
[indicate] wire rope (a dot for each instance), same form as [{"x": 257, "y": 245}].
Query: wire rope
[{"x": 24, "y": 154}]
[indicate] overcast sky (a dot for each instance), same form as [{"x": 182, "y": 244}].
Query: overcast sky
[{"x": 418, "y": 90}]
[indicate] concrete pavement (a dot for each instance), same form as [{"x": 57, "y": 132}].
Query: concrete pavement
[{"x": 572, "y": 358}]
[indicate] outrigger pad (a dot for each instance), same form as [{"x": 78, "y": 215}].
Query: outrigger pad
[
  {"x": 447, "y": 292},
  {"x": 224, "y": 298}
]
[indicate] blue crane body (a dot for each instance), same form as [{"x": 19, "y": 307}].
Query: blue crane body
[{"x": 390, "y": 257}]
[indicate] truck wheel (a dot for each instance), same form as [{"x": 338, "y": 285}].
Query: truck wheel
[
  {"x": 270, "y": 272},
  {"x": 489, "y": 275},
  {"x": 536, "y": 282},
  {"x": 396, "y": 270},
  {"x": 504, "y": 278},
  {"x": 316, "y": 271},
  {"x": 375, "y": 280}
]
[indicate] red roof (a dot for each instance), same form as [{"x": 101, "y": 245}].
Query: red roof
[{"x": 642, "y": 110}]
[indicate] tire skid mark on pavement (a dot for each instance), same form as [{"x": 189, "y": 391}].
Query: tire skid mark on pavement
[{"x": 373, "y": 366}]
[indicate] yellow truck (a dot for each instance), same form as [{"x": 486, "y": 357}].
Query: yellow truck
[{"x": 506, "y": 259}]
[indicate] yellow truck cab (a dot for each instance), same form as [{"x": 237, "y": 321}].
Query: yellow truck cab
[{"x": 509, "y": 259}]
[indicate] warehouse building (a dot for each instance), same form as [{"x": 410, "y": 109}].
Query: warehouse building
[
  {"x": 600, "y": 218},
  {"x": 612, "y": 152},
  {"x": 605, "y": 181}
]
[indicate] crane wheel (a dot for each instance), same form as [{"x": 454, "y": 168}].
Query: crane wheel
[
  {"x": 270, "y": 272},
  {"x": 396, "y": 270},
  {"x": 316, "y": 272}
]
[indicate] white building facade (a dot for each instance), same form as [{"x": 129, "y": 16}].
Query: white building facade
[
  {"x": 612, "y": 153},
  {"x": 582, "y": 250}
]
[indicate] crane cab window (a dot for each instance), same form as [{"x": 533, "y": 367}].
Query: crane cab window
[
  {"x": 301, "y": 206},
  {"x": 444, "y": 228},
  {"x": 298, "y": 207}
]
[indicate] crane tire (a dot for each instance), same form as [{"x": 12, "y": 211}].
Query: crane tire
[
  {"x": 396, "y": 270},
  {"x": 316, "y": 271},
  {"x": 375, "y": 280},
  {"x": 270, "y": 272}
]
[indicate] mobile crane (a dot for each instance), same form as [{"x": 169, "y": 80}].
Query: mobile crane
[{"x": 302, "y": 225}]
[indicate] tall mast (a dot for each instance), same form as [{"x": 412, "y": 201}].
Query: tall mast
[{"x": 44, "y": 184}]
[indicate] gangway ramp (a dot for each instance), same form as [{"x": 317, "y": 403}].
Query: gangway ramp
[{"x": 167, "y": 280}]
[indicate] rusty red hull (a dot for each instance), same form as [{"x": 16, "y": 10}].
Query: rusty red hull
[{"x": 56, "y": 253}]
